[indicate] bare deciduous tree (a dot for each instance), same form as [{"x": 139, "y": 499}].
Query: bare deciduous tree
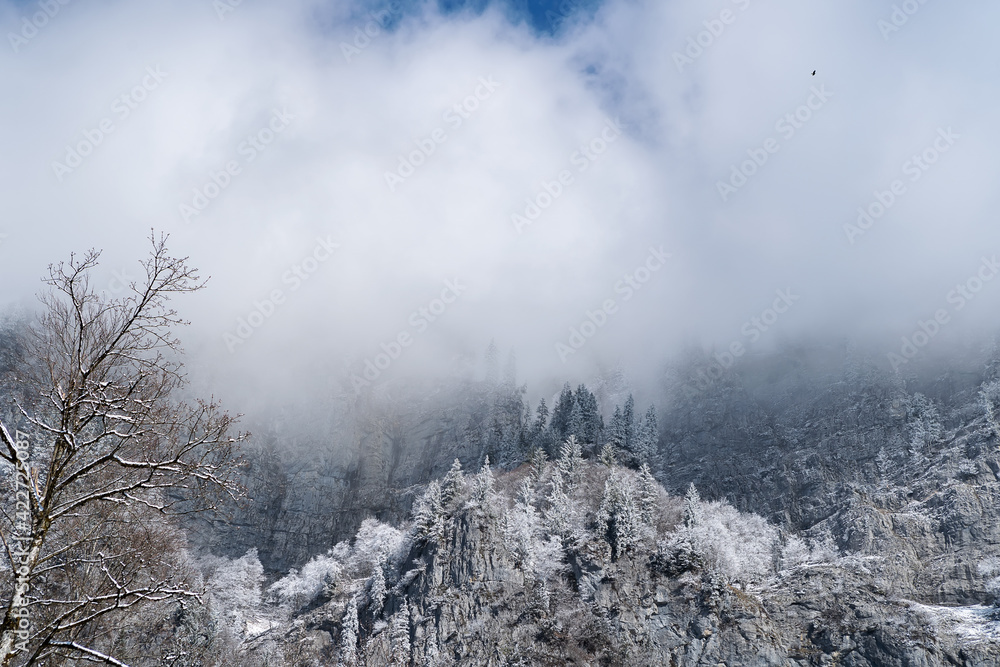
[{"x": 114, "y": 455}]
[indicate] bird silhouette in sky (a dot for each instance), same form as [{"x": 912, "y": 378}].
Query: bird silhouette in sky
[{"x": 814, "y": 72}]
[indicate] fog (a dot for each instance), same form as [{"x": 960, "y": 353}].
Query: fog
[{"x": 597, "y": 190}]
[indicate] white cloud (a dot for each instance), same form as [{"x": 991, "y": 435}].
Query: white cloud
[{"x": 325, "y": 173}]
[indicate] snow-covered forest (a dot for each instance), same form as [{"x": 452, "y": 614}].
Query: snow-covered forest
[{"x": 828, "y": 514}]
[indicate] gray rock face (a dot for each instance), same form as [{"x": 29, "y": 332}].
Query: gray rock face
[
  {"x": 311, "y": 481},
  {"x": 472, "y": 601},
  {"x": 901, "y": 478}
]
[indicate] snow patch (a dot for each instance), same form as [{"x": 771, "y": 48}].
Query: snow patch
[{"x": 975, "y": 623}]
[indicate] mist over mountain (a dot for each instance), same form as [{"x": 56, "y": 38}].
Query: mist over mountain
[
  {"x": 572, "y": 166},
  {"x": 595, "y": 332}
]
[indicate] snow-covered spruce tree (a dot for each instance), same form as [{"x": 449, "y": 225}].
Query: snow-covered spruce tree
[
  {"x": 692, "y": 507},
  {"x": 647, "y": 494},
  {"x": 522, "y": 527},
  {"x": 377, "y": 591},
  {"x": 628, "y": 422},
  {"x": 538, "y": 462},
  {"x": 429, "y": 514},
  {"x": 399, "y": 636},
  {"x": 349, "y": 635},
  {"x": 570, "y": 461},
  {"x": 607, "y": 456},
  {"x": 647, "y": 438},
  {"x": 562, "y": 414},
  {"x": 618, "y": 516},
  {"x": 558, "y": 513},
  {"x": 586, "y": 422},
  {"x": 576, "y": 423},
  {"x": 482, "y": 486},
  {"x": 624, "y": 433},
  {"x": 540, "y": 435},
  {"x": 453, "y": 484},
  {"x": 616, "y": 430}
]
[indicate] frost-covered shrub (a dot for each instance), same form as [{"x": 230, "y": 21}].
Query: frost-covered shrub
[
  {"x": 739, "y": 546},
  {"x": 373, "y": 539},
  {"x": 796, "y": 552},
  {"x": 298, "y": 589},
  {"x": 676, "y": 555},
  {"x": 234, "y": 591}
]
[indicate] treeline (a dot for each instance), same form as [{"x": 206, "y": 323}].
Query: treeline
[{"x": 510, "y": 433}]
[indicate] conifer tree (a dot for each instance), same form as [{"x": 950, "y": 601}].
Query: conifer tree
[
  {"x": 377, "y": 593},
  {"x": 617, "y": 432},
  {"x": 570, "y": 460},
  {"x": 646, "y": 438},
  {"x": 453, "y": 483},
  {"x": 562, "y": 413},
  {"x": 608, "y": 455},
  {"x": 399, "y": 636},
  {"x": 482, "y": 488},
  {"x": 557, "y": 515},
  {"x": 692, "y": 507},
  {"x": 618, "y": 516},
  {"x": 647, "y": 494},
  {"x": 429, "y": 513},
  {"x": 590, "y": 422},
  {"x": 538, "y": 460},
  {"x": 349, "y": 635},
  {"x": 628, "y": 418},
  {"x": 541, "y": 436}
]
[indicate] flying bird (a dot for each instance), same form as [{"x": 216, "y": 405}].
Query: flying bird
[{"x": 814, "y": 72}]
